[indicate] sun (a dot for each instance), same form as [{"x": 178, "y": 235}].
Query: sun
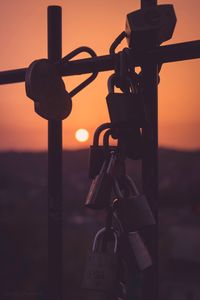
[{"x": 82, "y": 135}]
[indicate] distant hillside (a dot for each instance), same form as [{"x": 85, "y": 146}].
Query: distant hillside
[
  {"x": 23, "y": 216},
  {"x": 179, "y": 174}
]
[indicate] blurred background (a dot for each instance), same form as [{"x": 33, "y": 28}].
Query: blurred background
[{"x": 23, "y": 158}]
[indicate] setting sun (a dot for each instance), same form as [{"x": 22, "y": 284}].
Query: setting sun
[{"x": 82, "y": 135}]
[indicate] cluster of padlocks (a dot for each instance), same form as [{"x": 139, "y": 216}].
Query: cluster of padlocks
[
  {"x": 119, "y": 254},
  {"x": 118, "y": 251},
  {"x": 45, "y": 86},
  {"x": 118, "y": 248}
]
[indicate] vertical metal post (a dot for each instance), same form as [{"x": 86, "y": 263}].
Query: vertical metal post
[
  {"x": 150, "y": 174},
  {"x": 150, "y": 159},
  {"x": 54, "y": 169}
]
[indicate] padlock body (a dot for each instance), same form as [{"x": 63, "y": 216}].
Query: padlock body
[
  {"x": 143, "y": 24},
  {"x": 101, "y": 272},
  {"x": 130, "y": 142},
  {"x": 135, "y": 213},
  {"x": 134, "y": 252},
  {"x": 125, "y": 109},
  {"x": 97, "y": 157},
  {"x": 46, "y": 88}
]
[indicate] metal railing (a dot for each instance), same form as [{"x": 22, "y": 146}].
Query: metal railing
[{"x": 148, "y": 60}]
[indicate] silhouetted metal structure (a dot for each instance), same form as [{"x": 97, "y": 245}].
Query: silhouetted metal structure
[
  {"x": 54, "y": 168},
  {"x": 149, "y": 59}
]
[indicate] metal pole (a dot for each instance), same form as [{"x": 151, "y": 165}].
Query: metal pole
[
  {"x": 150, "y": 173},
  {"x": 162, "y": 54},
  {"x": 54, "y": 169},
  {"x": 150, "y": 160}
]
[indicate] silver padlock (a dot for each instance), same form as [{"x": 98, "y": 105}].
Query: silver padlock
[
  {"x": 132, "y": 248},
  {"x": 101, "y": 273},
  {"x": 99, "y": 194},
  {"x": 133, "y": 210}
]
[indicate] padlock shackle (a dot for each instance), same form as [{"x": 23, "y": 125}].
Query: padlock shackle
[
  {"x": 71, "y": 55},
  {"x": 101, "y": 231},
  {"x": 106, "y": 137},
  {"x": 116, "y": 222},
  {"x": 117, "y": 190},
  {"x": 112, "y": 82},
  {"x": 116, "y": 43},
  {"x": 131, "y": 183},
  {"x": 98, "y": 131}
]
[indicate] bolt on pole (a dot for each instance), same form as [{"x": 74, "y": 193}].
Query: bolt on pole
[{"x": 54, "y": 169}]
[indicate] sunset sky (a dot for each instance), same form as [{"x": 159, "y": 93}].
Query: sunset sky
[{"x": 23, "y": 27}]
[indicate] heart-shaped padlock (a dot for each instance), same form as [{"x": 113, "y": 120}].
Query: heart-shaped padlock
[{"x": 47, "y": 89}]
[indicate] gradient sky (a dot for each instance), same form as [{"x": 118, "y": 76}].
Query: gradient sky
[{"x": 23, "y": 27}]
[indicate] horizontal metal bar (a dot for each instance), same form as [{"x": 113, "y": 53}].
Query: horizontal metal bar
[
  {"x": 163, "y": 54},
  {"x": 88, "y": 65},
  {"x": 176, "y": 52},
  {"x": 12, "y": 76}
]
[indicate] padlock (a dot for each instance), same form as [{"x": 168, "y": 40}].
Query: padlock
[
  {"x": 131, "y": 246},
  {"x": 156, "y": 21},
  {"x": 99, "y": 195},
  {"x": 127, "y": 117},
  {"x": 101, "y": 273},
  {"x": 47, "y": 89},
  {"x": 97, "y": 152},
  {"x": 125, "y": 109},
  {"x": 133, "y": 210}
]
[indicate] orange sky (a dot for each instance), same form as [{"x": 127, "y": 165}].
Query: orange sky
[{"x": 93, "y": 23}]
